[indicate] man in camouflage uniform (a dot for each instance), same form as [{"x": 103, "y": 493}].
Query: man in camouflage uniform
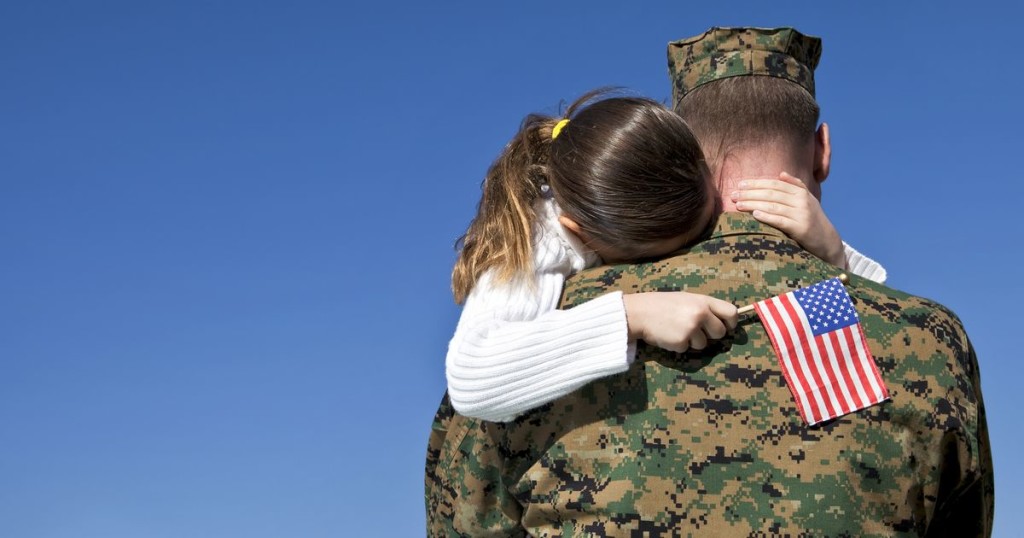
[{"x": 711, "y": 443}]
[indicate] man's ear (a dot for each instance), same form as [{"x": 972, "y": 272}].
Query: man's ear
[
  {"x": 822, "y": 153},
  {"x": 572, "y": 227}
]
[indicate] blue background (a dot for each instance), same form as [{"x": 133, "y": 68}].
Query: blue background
[{"x": 226, "y": 230}]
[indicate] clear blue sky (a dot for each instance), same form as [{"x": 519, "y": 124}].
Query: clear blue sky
[{"x": 226, "y": 230}]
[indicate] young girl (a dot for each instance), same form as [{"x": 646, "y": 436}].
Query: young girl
[{"x": 617, "y": 179}]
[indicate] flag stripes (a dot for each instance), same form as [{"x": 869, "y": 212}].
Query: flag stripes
[{"x": 831, "y": 373}]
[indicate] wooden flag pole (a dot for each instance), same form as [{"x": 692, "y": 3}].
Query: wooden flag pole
[{"x": 750, "y": 308}]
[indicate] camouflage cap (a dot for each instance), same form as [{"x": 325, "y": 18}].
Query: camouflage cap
[{"x": 728, "y": 52}]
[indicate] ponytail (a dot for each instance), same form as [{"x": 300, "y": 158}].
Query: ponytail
[
  {"x": 626, "y": 170},
  {"x": 500, "y": 238}
]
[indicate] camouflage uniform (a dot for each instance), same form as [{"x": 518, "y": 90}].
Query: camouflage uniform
[{"x": 712, "y": 444}]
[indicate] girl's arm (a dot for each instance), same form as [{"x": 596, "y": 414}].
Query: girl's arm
[
  {"x": 786, "y": 204},
  {"x": 513, "y": 351},
  {"x": 861, "y": 265}
]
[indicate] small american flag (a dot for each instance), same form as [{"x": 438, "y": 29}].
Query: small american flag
[{"x": 817, "y": 335}]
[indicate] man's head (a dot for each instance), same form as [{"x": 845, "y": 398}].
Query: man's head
[{"x": 748, "y": 95}]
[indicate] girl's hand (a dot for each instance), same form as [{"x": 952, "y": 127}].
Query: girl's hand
[
  {"x": 677, "y": 320},
  {"x": 786, "y": 204}
]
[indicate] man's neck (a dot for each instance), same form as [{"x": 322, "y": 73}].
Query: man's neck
[{"x": 759, "y": 163}]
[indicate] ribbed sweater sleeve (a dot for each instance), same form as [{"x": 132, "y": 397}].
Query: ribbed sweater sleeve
[
  {"x": 498, "y": 369},
  {"x": 863, "y": 266},
  {"x": 513, "y": 350}
]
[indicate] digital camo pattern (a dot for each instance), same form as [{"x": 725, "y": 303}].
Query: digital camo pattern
[
  {"x": 711, "y": 444},
  {"x": 728, "y": 52}
]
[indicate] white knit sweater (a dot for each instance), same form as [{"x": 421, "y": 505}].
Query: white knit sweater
[{"x": 513, "y": 350}]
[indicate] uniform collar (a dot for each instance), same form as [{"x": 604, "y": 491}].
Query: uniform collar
[{"x": 734, "y": 223}]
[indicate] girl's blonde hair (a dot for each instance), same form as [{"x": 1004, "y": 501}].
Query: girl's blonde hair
[{"x": 626, "y": 169}]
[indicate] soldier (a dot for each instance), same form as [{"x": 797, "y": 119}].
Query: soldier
[{"x": 711, "y": 442}]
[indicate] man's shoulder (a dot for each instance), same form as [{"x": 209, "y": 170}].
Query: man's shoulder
[
  {"x": 745, "y": 262},
  {"x": 910, "y": 331},
  {"x": 893, "y": 303}
]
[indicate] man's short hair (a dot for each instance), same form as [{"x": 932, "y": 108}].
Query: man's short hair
[
  {"x": 745, "y": 86},
  {"x": 748, "y": 111}
]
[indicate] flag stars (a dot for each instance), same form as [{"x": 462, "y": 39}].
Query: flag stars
[{"x": 827, "y": 306}]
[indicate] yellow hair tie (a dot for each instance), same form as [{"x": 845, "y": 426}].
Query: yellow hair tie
[{"x": 558, "y": 128}]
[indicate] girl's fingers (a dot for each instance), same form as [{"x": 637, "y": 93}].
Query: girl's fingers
[
  {"x": 766, "y": 195},
  {"x": 773, "y": 208},
  {"x": 714, "y": 328},
  {"x": 792, "y": 180},
  {"x": 725, "y": 311},
  {"x": 778, "y": 221},
  {"x": 787, "y": 188},
  {"x": 698, "y": 340}
]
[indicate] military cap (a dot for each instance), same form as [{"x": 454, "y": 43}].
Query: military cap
[{"x": 729, "y": 52}]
